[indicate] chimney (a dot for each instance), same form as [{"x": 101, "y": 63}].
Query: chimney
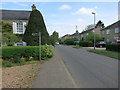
[{"x": 33, "y": 7}]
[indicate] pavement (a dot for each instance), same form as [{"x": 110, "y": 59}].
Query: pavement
[
  {"x": 54, "y": 74},
  {"x": 89, "y": 48},
  {"x": 77, "y": 68}
]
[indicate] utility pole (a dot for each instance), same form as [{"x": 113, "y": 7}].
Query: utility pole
[{"x": 94, "y": 29}]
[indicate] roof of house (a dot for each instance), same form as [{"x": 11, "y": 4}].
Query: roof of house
[
  {"x": 65, "y": 35},
  {"x": 15, "y": 14},
  {"x": 75, "y": 34},
  {"x": 86, "y": 31},
  {"x": 112, "y": 25}
]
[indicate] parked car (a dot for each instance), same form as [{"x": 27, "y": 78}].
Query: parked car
[
  {"x": 116, "y": 42},
  {"x": 57, "y": 43},
  {"x": 100, "y": 44}
]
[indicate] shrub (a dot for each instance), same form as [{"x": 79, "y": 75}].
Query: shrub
[
  {"x": 27, "y": 51},
  {"x": 35, "y": 25},
  {"x": 84, "y": 43},
  {"x": 7, "y": 64},
  {"x": 113, "y": 47},
  {"x": 70, "y": 41}
]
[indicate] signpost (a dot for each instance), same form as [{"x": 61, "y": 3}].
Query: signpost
[{"x": 38, "y": 34}]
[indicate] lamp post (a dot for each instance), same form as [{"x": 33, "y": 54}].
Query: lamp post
[
  {"x": 94, "y": 29},
  {"x": 36, "y": 34}
]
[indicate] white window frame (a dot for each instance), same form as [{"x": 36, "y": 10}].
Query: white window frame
[
  {"x": 16, "y": 27},
  {"x": 108, "y": 31},
  {"x": 102, "y": 32},
  {"x": 116, "y": 30}
]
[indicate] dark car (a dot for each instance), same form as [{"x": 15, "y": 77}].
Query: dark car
[{"x": 101, "y": 44}]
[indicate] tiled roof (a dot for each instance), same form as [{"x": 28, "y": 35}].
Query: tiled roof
[
  {"x": 75, "y": 34},
  {"x": 86, "y": 31},
  {"x": 112, "y": 25},
  {"x": 65, "y": 35},
  {"x": 15, "y": 14}
]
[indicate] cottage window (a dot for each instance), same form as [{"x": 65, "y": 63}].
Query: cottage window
[
  {"x": 103, "y": 32},
  {"x": 116, "y": 38},
  {"x": 116, "y": 30},
  {"x": 20, "y": 27},
  {"x": 107, "y": 40},
  {"x": 107, "y": 31}
]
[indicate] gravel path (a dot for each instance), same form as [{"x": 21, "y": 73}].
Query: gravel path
[{"x": 19, "y": 76}]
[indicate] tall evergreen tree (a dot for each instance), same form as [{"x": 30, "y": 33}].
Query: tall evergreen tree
[{"x": 35, "y": 25}]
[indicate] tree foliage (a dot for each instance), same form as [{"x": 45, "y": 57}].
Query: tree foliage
[
  {"x": 54, "y": 37},
  {"x": 35, "y": 25},
  {"x": 100, "y": 24},
  {"x": 90, "y": 37},
  {"x": 7, "y": 34}
]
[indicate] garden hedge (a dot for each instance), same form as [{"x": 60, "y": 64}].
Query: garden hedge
[
  {"x": 113, "y": 47},
  {"x": 27, "y": 51},
  {"x": 84, "y": 43}
]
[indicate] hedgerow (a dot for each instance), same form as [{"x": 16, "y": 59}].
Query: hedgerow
[{"x": 27, "y": 51}]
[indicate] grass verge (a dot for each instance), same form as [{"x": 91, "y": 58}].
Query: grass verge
[
  {"x": 107, "y": 53},
  {"x": 77, "y": 46}
]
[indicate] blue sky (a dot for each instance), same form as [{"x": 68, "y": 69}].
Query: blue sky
[{"x": 64, "y": 16}]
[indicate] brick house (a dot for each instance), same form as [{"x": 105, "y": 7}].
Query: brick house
[
  {"x": 75, "y": 35},
  {"x": 84, "y": 34},
  {"x": 111, "y": 32},
  {"x": 18, "y": 19},
  {"x": 65, "y": 37}
]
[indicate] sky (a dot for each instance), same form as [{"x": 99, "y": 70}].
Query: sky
[{"x": 64, "y": 16}]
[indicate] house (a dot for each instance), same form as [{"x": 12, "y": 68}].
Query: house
[
  {"x": 19, "y": 19},
  {"x": 75, "y": 35},
  {"x": 84, "y": 34},
  {"x": 65, "y": 37},
  {"x": 111, "y": 32}
]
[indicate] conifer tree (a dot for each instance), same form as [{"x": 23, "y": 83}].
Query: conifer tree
[{"x": 35, "y": 25}]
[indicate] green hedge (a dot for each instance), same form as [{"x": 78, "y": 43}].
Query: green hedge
[
  {"x": 70, "y": 41},
  {"x": 27, "y": 51},
  {"x": 84, "y": 43},
  {"x": 113, "y": 47}
]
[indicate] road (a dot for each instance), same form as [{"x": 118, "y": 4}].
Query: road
[{"x": 90, "y": 70}]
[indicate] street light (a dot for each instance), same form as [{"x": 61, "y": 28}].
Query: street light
[
  {"x": 94, "y": 29},
  {"x": 36, "y": 34}
]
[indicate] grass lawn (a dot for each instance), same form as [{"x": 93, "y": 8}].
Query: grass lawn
[
  {"x": 107, "y": 53},
  {"x": 77, "y": 46}
]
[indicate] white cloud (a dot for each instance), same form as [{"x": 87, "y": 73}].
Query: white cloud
[
  {"x": 87, "y": 11},
  {"x": 80, "y": 20},
  {"x": 64, "y": 7},
  {"x": 23, "y": 5},
  {"x": 96, "y": 7},
  {"x": 15, "y": 2}
]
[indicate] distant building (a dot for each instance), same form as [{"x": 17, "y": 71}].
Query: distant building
[
  {"x": 84, "y": 34},
  {"x": 65, "y": 37},
  {"x": 75, "y": 35},
  {"x": 111, "y": 32}
]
